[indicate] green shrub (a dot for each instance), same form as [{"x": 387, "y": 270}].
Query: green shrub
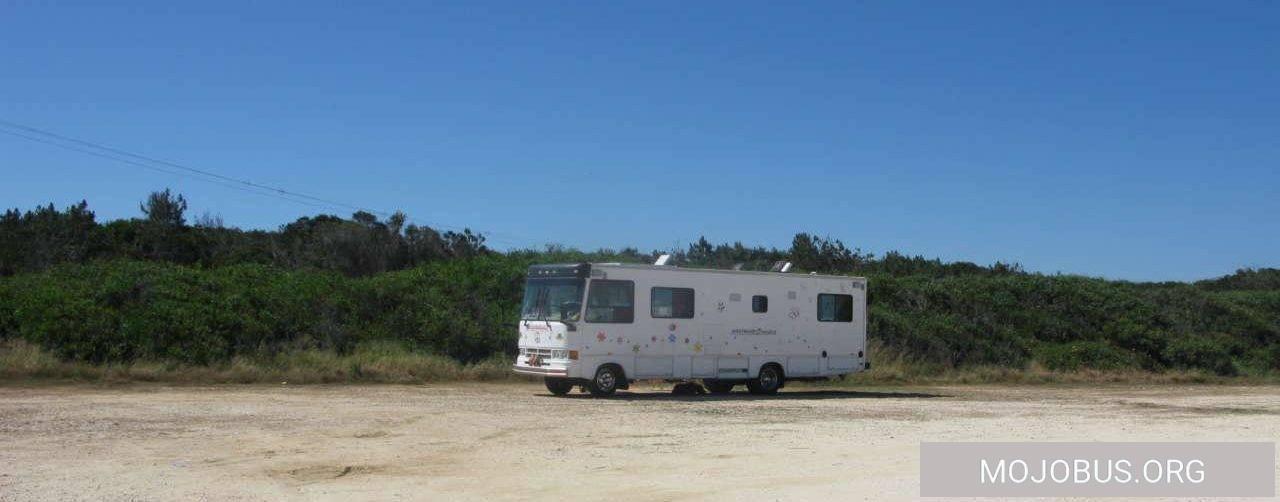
[
  {"x": 467, "y": 308},
  {"x": 1210, "y": 353},
  {"x": 124, "y": 310},
  {"x": 8, "y": 321},
  {"x": 208, "y": 294},
  {"x": 1074, "y": 356}
]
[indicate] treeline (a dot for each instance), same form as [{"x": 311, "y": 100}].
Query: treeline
[
  {"x": 365, "y": 245},
  {"x": 35, "y": 240},
  {"x": 160, "y": 288},
  {"x": 1245, "y": 279}
]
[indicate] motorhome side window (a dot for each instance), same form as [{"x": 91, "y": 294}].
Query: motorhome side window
[
  {"x": 835, "y": 308},
  {"x": 671, "y": 303},
  {"x": 759, "y": 304},
  {"x": 611, "y": 301}
]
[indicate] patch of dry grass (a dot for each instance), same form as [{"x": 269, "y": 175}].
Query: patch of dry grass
[
  {"x": 889, "y": 367},
  {"x": 393, "y": 363},
  {"x": 370, "y": 363}
]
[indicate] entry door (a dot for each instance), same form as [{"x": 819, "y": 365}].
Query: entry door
[
  {"x": 699, "y": 346},
  {"x": 838, "y": 316}
]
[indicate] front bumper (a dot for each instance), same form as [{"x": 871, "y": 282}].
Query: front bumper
[
  {"x": 541, "y": 370},
  {"x": 552, "y": 362}
]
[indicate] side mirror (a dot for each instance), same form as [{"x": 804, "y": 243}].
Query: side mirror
[{"x": 569, "y": 310}]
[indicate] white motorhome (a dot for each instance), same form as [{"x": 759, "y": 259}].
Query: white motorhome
[{"x": 725, "y": 327}]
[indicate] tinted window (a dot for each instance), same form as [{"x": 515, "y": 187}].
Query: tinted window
[
  {"x": 759, "y": 303},
  {"x": 835, "y": 308},
  {"x": 611, "y": 301},
  {"x": 671, "y": 303}
]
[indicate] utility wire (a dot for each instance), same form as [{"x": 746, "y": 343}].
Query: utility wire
[
  {"x": 151, "y": 167},
  {"x": 175, "y": 165},
  {"x": 173, "y": 168}
]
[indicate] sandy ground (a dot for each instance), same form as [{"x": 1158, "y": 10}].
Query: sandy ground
[{"x": 515, "y": 441}]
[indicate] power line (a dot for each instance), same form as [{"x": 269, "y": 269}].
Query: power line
[
  {"x": 149, "y": 167},
  {"x": 175, "y": 165},
  {"x": 177, "y": 169}
]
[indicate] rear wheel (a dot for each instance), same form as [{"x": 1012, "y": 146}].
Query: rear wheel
[
  {"x": 606, "y": 381},
  {"x": 767, "y": 382},
  {"x": 718, "y": 386},
  {"x": 558, "y": 386}
]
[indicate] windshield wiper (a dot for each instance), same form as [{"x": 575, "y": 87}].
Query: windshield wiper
[{"x": 544, "y": 298}]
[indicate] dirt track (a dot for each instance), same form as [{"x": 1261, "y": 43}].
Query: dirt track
[{"x": 514, "y": 441}]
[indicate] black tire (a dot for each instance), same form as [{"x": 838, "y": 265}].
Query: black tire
[
  {"x": 606, "y": 381},
  {"x": 558, "y": 386},
  {"x": 717, "y": 386},
  {"x": 767, "y": 382}
]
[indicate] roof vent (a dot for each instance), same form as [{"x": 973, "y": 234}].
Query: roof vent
[{"x": 662, "y": 260}]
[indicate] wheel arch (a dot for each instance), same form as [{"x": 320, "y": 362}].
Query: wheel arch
[
  {"x": 755, "y": 363},
  {"x": 624, "y": 382},
  {"x": 782, "y": 371},
  {"x": 621, "y": 370}
]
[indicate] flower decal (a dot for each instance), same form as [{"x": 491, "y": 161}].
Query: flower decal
[
  {"x": 672, "y": 327},
  {"x": 671, "y": 338},
  {"x": 601, "y": 336},
  {"x": 635, "y": 348},
  {"x": 697, "y": 347}
]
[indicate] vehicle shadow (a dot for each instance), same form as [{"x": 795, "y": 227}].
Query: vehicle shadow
[{"x": 744, "y": 396}]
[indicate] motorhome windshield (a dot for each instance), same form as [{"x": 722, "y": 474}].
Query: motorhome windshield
[{"x": 552, "y": 299}]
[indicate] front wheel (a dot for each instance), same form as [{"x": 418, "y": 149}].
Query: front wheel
[
  {"x": 767, "y": 382},
  {"x": 558, "y": 386},
  {"x": 605, "y": 382}
]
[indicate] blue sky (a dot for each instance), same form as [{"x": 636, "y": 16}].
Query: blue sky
[{"x": 1125, "y": 140}]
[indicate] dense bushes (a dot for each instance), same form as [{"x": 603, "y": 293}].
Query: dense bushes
[
  {"x": 467, "y": 309},
  {"x": 1073, "y": 356},
  {"x": 1069, "y": 323},
  {"x": 124, "y": 310},
  {"x": 159, "y": 289}
]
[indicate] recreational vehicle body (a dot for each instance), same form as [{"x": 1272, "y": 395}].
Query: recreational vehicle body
[{"x": 605, "y": 325}]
